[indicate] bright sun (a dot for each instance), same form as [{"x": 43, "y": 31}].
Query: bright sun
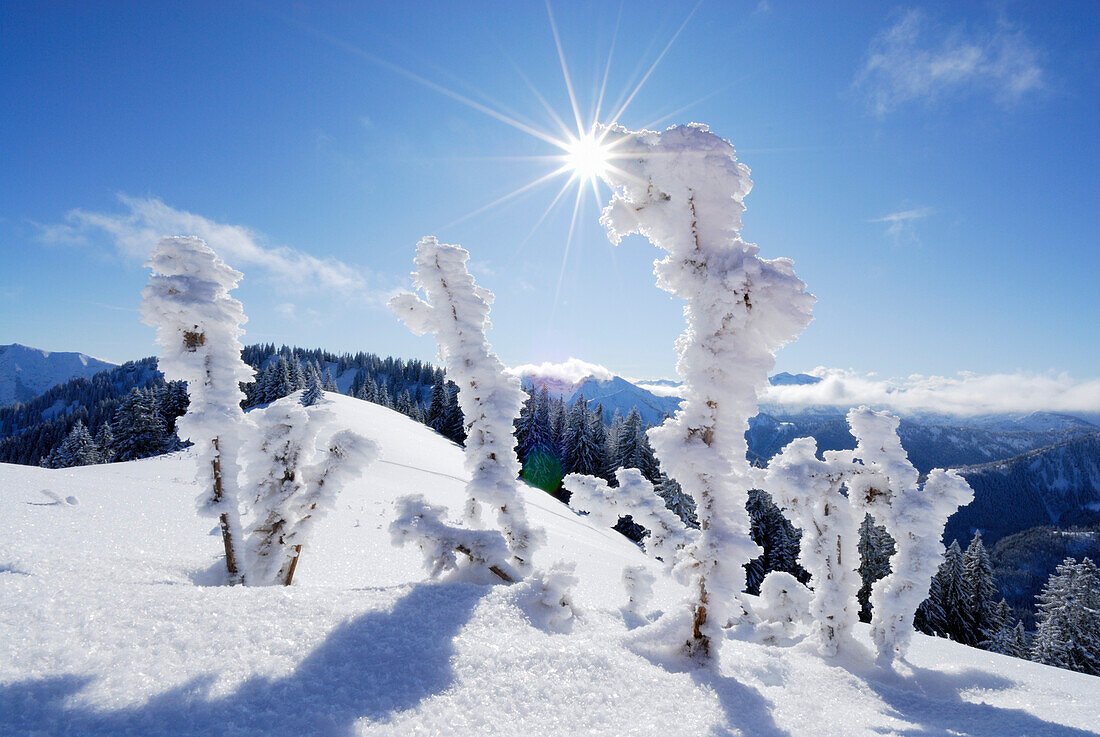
[{"x": 587, "y": 157}]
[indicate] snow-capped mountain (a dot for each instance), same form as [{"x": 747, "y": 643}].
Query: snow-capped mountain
[
  {"x": 786, "y": 379},
  {"x": 110, "y": 628},
  {"x": 26, "y": 372},
  {"x": 614, "y": 393}
]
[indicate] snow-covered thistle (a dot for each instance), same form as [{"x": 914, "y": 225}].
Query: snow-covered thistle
[
  {"x": 683, "y": 190},
  {"x": 294, "y": 483},
  {"x": 456, "y": 311},
  {"x": 810, "y": 490},
  {"x": 882, "y": 482},
  {"x": 784, "y": 605},
  {"x": 199, "y": 329},
  {"x": 634, "y": 496},
  {"x": 422, "y": 524}
]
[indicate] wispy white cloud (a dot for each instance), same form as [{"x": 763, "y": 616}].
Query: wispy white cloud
[
  {"x": 146, "y": 220},
  {"x": 901, "y": 223},
  {"x": 919, "y": 58},
  {"x": 965, "y": 394}
]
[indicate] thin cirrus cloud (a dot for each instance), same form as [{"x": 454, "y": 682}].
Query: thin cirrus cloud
[
  {"x": 920, "y": 59},
  {"x": 146, "y": 220},
  {"x": 901, "y": 223}
]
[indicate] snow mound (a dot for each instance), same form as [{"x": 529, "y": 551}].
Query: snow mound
[{"x": 104, "y": 629}]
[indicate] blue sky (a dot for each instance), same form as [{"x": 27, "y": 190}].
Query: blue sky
[{"x": 931, "y": 170}]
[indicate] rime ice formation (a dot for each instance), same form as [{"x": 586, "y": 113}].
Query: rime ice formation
[
  {"x": 294, "y": 483},
  {"x": 882, "y": 482},
  {"x": 199, "y": 329},
  {"x": 456, "y": 311},
  {"x": 423, "y": 525},
  {"x": 634, "y": 496},
  {"x": 810, "y": 490},
  {"x": 683, "y": 189}
]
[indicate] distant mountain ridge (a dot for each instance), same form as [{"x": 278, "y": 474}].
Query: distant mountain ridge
[
  {"x": 27, "y": 372},
  {"x": 1055, "y": 485}
]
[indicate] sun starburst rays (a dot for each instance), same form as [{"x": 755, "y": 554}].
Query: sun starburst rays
[{"x": 584, "y": 157}]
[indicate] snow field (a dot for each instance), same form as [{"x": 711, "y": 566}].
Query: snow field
[{"x": 107, "y": 628}]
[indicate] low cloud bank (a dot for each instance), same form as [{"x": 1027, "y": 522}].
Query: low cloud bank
[
  {"x": 964, "y": 394},
  {"x": 570, "y": 371}
]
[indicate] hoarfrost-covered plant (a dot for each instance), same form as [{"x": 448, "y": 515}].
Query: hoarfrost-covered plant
[
  {"x": 638, "y": 582},
  {"x": 423, "y": 525},
  {"x": 882, "y": 482},
  {"x": 810, "y": 490},
  {"x": 683, "y": 189},
  {"x": 294, "y": 484},
  {"x": 784, "y": 604},
  {"x": 634, "y": 496},
  {"x": 456, "y": 311},
  {"x": 199, "y": 330},
  {"x": 550, "y": 602}
]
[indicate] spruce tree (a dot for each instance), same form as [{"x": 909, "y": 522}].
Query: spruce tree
[
  {"x": 954, "y": 596},
  {"x": 105, "y": 441},
  {"x": 628, "y": 450},
  {"x": 678, "y": 502},
  {"x": 598, "y": 432},
  {"x": 454, "y": 424},
  {"x": 541, "y": 464},
  {"x": 930, "y": 617},
  {"x": 1067, "y": 634},
  {"x": 77, "y": 449},
  {"x": 1001, "y": 635},
  {"x": 139, "y": 426},
  {"x": 875, "y": 549},
  {"x": 435, "y": 416},
  {"x": 313, "y": 393},
  {"x": 981, "y": 591}
]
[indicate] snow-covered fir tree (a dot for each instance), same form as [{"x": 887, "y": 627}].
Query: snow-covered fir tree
[
  {"x": 1068, "y": 630},
  {"x": 105, "y": 441},
  {"x": 77, "y": 449},
  {"x": 875, "y": 548},
  {"x": 199, "y": 329},
  {"x": 679, "y": 503},
  {"x": 138, "y": 426},
  {"x": 981, "y": 590},
  {"x": 314, "y": 391},
  {"x": 1004, "y": 635},
  {"x": 954, "y": 599},
  {"x": 777, "y": 538},
  {"x": 456, "y": 311}
]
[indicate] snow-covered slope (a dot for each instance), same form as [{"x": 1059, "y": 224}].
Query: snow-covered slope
[
  {"x": 26, "y": 372},
  {"x": 107, "y": 628}
]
